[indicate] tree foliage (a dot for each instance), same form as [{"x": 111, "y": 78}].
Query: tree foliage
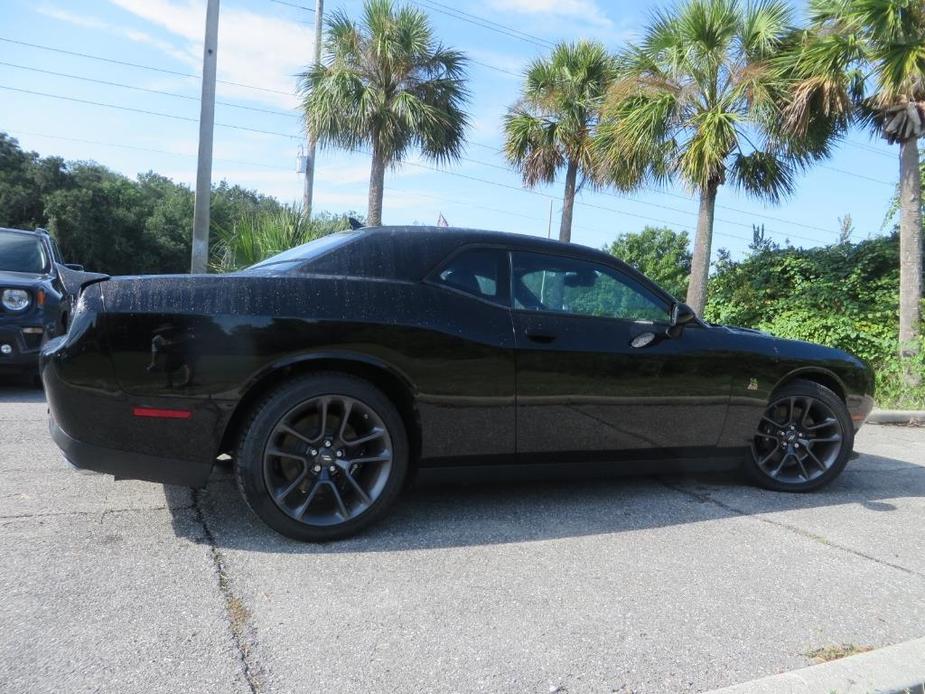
[
  {"x": 387, "y": 83},
  {"x": 660, "y": 253},
  {"x": 697, "y": 101},
  {"x": 108, "y": 222},
  {"x": 553, "y": 124},
  {"x": 863, "y": 61}
]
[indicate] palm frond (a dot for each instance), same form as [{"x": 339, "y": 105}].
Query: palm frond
[
  {"x": 763, "y": 174},
  {"x": 386, "y": 83},
  {"x": 555, "y": 119}
]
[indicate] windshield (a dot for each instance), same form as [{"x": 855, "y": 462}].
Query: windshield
[
  {"x": 21, "y": 253},
  {"x": 307, "y": 251}
]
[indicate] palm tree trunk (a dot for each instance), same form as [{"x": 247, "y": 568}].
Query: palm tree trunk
[
  {"x": 700, "y": 262},
  {"x": 568, "y": 202},
  {"x": 910, "y": 256},
  {"x": 376, "y": 185}
]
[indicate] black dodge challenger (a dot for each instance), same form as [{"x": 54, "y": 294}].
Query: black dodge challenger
[{"x": 331, "y": 370}]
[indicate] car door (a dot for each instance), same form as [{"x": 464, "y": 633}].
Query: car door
[
  {"x": 597, "y": 376},
  {"x": 464, "y": 365}
]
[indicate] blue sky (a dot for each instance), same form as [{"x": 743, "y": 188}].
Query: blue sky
[{"x": 264, "y": 43}]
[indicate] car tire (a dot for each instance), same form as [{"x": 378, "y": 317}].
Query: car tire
[
  {"x": 801, "y": 420},
  {"x": 336, "y": 507}
]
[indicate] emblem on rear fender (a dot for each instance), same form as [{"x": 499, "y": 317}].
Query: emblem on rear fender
[{"x": 752, "y": 384}]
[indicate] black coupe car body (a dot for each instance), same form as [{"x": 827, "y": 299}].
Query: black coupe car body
[
  {"x": 33, "y": 304},
  {"x": 490, "y": 347}
]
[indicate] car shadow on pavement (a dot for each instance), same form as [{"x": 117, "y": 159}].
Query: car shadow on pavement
[
  {"x": 15, "y": 389},
  {"x": 439, "y": 514}
]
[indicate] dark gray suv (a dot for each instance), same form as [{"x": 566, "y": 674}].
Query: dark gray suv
[{"x": 34, "y": 306}]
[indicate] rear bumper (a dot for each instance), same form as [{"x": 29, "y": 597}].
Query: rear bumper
[{"x": 126, "y": 465}]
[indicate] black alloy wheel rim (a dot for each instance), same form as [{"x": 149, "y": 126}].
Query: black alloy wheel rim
[
  {"x": 798, "y": 440},
  {"x": 327, "y": 460}
]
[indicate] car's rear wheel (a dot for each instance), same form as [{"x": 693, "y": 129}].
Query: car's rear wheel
[
  {"x": 322, "y": 457},
  {"x": 803, "y": 441}
]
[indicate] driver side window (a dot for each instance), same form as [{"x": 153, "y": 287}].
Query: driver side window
[{"x": 565, "y": 285}]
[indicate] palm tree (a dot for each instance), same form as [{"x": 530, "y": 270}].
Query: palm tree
[
  {"x": 697, "y": 101},
  {"x": 386, "y": 83},
  {"x": 553, "y": 124},
  {"x": 864, "y": 61}
]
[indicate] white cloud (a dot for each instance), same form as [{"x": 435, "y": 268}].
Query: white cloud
[
  {"x": 253, "y": 49},
  {"x": 75, "y": 19},
  {"x": 94, "y": 23}
]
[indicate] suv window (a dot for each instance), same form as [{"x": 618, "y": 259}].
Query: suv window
[
  {"x": 22, "y": 253},
  {"x": 564, "y": 285},
  {"x": 481, "y": 272}
]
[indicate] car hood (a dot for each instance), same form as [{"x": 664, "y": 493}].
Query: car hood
[
  {"x": 15, "y": 280},
  {"x": 742, "y": 331},
  {"x": 797, "y": 349}
]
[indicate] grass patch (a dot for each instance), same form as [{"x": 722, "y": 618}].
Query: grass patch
[{"x": 829, "y": 653}]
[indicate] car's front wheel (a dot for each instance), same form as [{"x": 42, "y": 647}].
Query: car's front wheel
[
  {"x": 803, "y": 441},
  {"x": 322, "y": 457}
]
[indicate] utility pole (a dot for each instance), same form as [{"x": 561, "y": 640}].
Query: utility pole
[
  {"x": 310, "y": 145},
  {"x": 549, "y": 225},
  {"x": 200, "y": 255}
]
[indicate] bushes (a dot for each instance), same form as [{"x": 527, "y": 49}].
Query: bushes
[
  {"x": 258, "y": 235},
  {"x": 844, "y": 296}
]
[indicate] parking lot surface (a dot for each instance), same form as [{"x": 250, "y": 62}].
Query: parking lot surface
[{"x": 681, "y": 583}]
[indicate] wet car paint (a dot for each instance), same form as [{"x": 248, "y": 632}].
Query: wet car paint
[{"x": 473, "y": 389}]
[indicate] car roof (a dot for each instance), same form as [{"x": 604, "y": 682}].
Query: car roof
[
  {"x": 38, "y": 231},
  {"x": 462, "y": 235},
  {"x": 411, "y": 252},
  {"x": 430, "y": 244}
]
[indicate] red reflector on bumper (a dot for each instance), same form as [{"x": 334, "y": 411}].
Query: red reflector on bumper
[{"x": 161, "y": 414}]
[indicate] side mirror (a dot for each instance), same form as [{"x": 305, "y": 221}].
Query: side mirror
[
  {"x": 681, "y": 315},
  {"x": 74, "y": 266}
]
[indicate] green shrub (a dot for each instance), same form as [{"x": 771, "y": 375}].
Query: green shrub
[
  {"x": 256, "y": 236},
  {"x": 844, "y": 296}
]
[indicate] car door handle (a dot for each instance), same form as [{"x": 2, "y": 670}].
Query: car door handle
[{"x": 539, "y": 336}]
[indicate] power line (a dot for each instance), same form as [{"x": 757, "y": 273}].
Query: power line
[
  {"x": 869, "y": 148},
  {"x": 286, "y": 135},
  {"x": 292, "y": 4},
  {"x": 145, "y": 89},
  {"x": 484, "y": 23},
  {"x": 421, "y": 165},
  {"x": 582, "y": 203},
  {"x": 857, "y": 175},
  {"x": 781, "y": 220},
  {"x": 144, "y": 111},
  {"x": 676, "y": 209},
  {"x": 418, "y": 165},
  {"x": 448, "y": 200},
  {"x": 492, "y": 67},
  {"x": 153, "y": 150},
  {"x": 138, "y": 65}
]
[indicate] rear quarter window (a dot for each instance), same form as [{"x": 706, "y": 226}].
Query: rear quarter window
[{"x": 479, "y": 272}]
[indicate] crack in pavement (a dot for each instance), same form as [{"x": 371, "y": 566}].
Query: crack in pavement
[
  {"x": 103, "y": 513},
  {"x": 792, "y": 528},
  {"x": 236, "y": 613}
]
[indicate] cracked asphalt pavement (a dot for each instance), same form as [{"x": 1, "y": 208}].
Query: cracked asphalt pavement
[{"x": 681, "y": 583}]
